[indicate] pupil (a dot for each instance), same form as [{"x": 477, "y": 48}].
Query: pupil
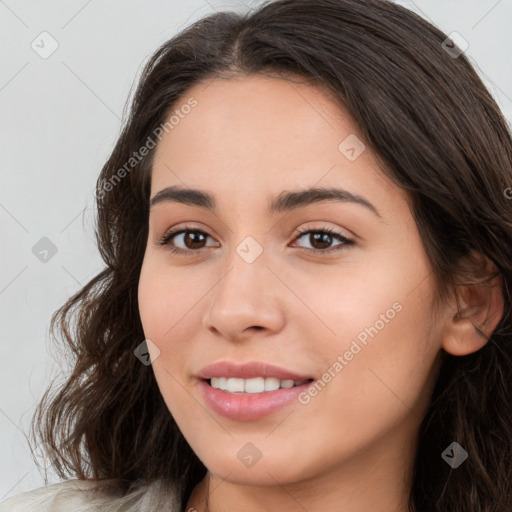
[
  {"x": 192, "y": 235},
  {"x": 319, "y": 236},
  {"x": 323, "y": 239}
]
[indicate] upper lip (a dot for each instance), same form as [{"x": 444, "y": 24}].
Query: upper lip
[{"x": 248, "y": 370}]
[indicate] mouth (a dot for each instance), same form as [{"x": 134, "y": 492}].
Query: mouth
[
  {"x": 255, "y": 371},
  {"x": 254, "y": 385},
  {"x": 235, "y": 403},
  {"x": 250, "y": 391}
]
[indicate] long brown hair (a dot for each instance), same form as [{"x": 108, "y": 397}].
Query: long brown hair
[{"x": 438, "y": 134}]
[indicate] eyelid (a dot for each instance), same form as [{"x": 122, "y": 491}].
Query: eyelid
[
  {"x": 305, "y": 228},
  {"x": 346, "y": 242},
  {"x": 178, "y": 230},
  {"x": 322, "y": 226}
]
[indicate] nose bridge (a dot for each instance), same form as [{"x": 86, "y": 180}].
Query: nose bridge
[
  {"x": 246, "y": 292},
  {"x": 245, "y": 274}
]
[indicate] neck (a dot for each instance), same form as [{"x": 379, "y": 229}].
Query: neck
[{"x": 199, "y": 498}]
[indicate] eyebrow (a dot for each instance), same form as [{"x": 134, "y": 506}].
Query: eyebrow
[{"x": 284, "y": 202}]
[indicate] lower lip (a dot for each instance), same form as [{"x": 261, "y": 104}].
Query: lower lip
[{"x": 249, "y": 406}]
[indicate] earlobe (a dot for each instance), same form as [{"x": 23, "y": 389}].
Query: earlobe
[{"x": 469, "y": 327}]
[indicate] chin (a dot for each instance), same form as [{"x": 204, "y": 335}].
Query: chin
[{"x": 274, "y": 468}]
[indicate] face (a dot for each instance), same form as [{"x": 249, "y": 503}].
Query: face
[{"x": 338, "y": 291}]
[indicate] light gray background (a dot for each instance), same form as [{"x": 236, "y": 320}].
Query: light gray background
[{"x": 60, "y": 117}]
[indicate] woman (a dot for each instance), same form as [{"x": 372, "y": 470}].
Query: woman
[{"x": 306, "y": 300}]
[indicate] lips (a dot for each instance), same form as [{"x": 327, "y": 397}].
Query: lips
[
  {"x": 257, "y": 403},
  {"x": 249, "y": 370},
  {"x": 249, "y": 406}
]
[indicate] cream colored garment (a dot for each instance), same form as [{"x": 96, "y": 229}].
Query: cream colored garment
[{"x": 80, "y": 496}]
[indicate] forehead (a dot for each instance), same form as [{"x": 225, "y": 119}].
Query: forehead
[
  {"x": 257, "y": 133},
  {"x": 255, "y": 112}
]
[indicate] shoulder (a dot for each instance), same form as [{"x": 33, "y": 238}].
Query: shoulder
[
  {"x": 86, "y": 496},
  {"x": 55, "y": 497}
]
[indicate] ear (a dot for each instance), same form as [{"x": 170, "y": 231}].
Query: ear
[{"x": 480, "y": 308}]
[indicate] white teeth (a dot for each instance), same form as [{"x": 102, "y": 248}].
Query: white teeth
[
  {"x": 235, "y": 385},
  {"x": 254, "y": 385},
  {"x": 271, "y": 384}
]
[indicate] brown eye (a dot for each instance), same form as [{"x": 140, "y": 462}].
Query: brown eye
[
  {"x": 191, "y": 240},
  {"x": 321, "y": 240}
]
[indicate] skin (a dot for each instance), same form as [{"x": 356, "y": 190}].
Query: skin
[{"x": 351, "y": 448}]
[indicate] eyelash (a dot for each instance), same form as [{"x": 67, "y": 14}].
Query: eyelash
[{"x": 346, "y": 245}]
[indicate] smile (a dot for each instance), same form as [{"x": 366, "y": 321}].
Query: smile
[
  {"x": 254, "y": 385},
  {"x": 254, "y": 404}
]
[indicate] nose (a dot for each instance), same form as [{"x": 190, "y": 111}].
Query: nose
[{"x": 247, "y": 298}]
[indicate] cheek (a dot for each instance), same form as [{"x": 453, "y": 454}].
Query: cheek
[
  {"x": 147, "y": 299},
  {"x": 164, "y": 300},
  {"x": 168, "y": 308},
  {"x": 161, "y": 309},
  {"x": 386, "y": 370},
  {"x": 385, "y": 345}
]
